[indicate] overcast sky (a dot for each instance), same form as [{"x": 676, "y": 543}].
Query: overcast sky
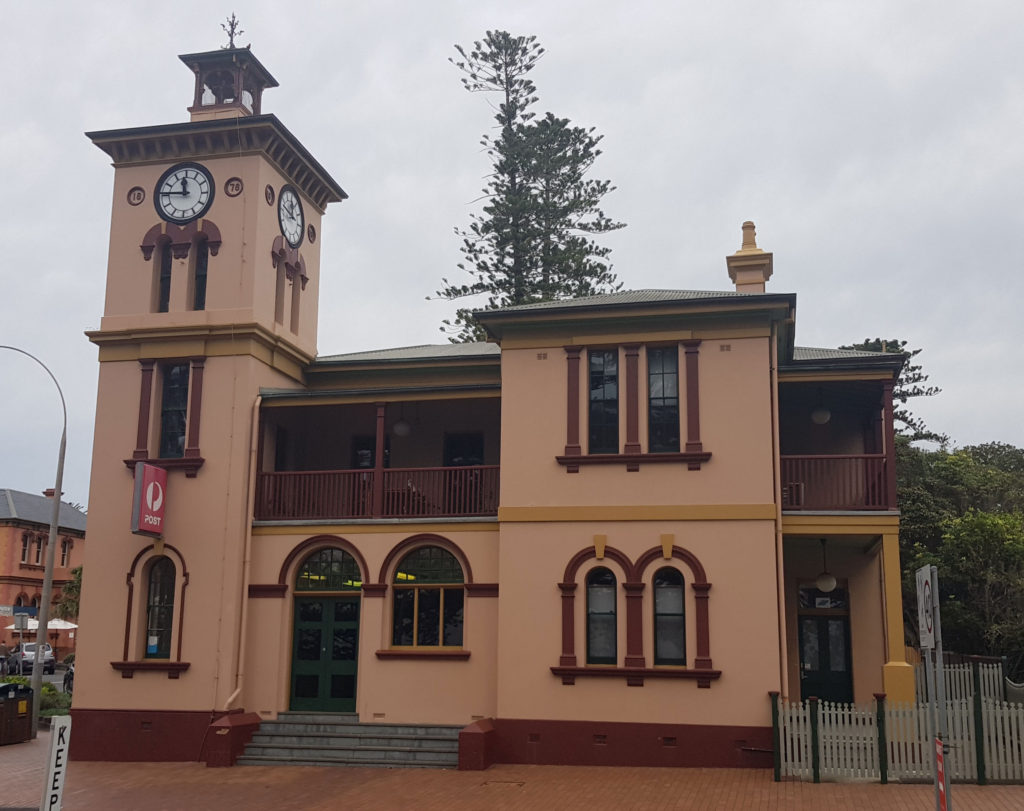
[{"x": 878, "y": 146}]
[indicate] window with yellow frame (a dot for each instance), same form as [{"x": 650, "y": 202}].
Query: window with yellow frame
[{"x": 429, "y": 598}]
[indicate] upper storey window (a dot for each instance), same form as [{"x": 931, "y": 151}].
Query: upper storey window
[
  {"x": 173, "y": 411},
  {"x": 663, "y": 399},
  {"x": 604, "y": 401}
]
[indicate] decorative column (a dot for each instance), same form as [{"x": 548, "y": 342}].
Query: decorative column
[
  {"x": 634, "y": 627},
  {"x": 378, "y": 464},
  {"x": 897, "y": 675},
  {"x": 568, "y": 657},
  {"x": 889, "y": 437},
  {"x": 632, "y": 404},
  {"x": 693, "y": 443},
  {"x": 572, "y": 400},
  {"x": 195, "y": 401},
  {"x": 145, "y": 406}
]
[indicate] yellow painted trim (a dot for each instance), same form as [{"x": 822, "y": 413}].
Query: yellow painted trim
[
  {"x": 600, "y": 542},
  {"x": 892, "y": 578},
  {"x": 280, "y": 401},
  {"x": 654, "y": 512},
  {"x": 815, "y": 377},
  {"x": 439, "y": 528},
  {"x": 839, "y": 524},
  {"x": 639, "y": 336},
  {"x": 668, "y": 540}
]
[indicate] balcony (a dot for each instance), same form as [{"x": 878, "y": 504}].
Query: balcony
[
  {"x": 416, "y": 493},
  {"x": 837, "y": 482}
]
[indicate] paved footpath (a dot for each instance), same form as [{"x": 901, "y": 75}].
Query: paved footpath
[{"x": 194, "y": 787}]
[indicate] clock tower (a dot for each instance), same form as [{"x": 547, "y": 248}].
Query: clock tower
[{"x": 211, "y": 295}]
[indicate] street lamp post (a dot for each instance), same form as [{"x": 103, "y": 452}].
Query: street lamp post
[{"x": 44, "y": 603}]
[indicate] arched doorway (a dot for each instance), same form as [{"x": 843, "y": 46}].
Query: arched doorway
[{"x": 325, "y": 643}]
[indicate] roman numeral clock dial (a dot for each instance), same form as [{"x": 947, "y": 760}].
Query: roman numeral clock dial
[{"x": 184, "y": 193}]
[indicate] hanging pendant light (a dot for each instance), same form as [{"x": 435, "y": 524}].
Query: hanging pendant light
[
  {"x": 826, "y": 581},
  {"x": 402, "y": 427},
  {"x": 820, "y": 415}
]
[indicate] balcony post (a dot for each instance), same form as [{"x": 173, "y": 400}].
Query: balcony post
[
  {"x": 378, "y": 464},
  {"x": 889, "y": 430}
]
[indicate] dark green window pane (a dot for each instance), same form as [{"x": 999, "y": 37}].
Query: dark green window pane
[
  {"x": 173, "y": 410},
  {"x": 310, "y": 611},
  {"x": 347, "y": 611},
  {"x": 307, "y": 686},
  {"x": 663, "y": 400},
  {"x": 669, "y": 640},
  {"x": 164, "y": 288},
  {"x": 429, "y": 617},
  {"x": 160, "y": 609},
  {"x": 329, "y": 569},
  {"x": 344, "y": 648},
  {"x": 429, "y": 564},
  {"x": 453, "y": 604},
  {"x": 601, "y": 617},
  {"x": 202, "y": 261},
  {"x": 343, "y": 685},
  {"x": 837, "y": 645},
  {"x": 308, "y": 645},
  {"x": 405, "y": 612},
  {"x": 603, "y": 414}
]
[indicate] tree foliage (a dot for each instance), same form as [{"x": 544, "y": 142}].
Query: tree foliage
[
  {"x": 532, "y": 239},
  {"x": 67, "y": 606},
  {"x": 913, "y": 382}
]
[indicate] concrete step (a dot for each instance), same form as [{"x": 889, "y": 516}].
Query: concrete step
[{"x": 338, "y": 739}]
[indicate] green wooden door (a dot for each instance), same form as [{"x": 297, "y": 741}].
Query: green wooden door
[
  {"x": 325, "y": 652},
  {"x": 825, "y": 670}
]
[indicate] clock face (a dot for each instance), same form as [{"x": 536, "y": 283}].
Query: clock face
[
  {"x": 289, "y": 214},
  {"x": 184, "y": 193}
]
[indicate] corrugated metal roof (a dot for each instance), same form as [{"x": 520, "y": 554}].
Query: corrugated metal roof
[
  {"x": 626, "y": 297},
  {"x": 16, "y": 505},
  {"x": 421, "y": 352},
  {"x": 814, "y": 353}
]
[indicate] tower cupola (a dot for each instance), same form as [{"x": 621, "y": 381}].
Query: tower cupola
[{"x": 229, "y": 83}]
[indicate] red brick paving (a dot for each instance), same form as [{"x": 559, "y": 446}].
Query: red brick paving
[{"x": 194, "y": 787}]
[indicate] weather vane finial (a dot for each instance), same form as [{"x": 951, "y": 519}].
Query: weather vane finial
[{"x": 232, "y": 29}]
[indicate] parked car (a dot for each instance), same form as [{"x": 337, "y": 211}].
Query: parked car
[
  {"x": 23, "y": 658},
  {"x": 69, "y": 678}
]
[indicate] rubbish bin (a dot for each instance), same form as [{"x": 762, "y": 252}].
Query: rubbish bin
[{"x": 15, "y": 713}]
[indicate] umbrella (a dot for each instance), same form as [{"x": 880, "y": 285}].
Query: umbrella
[{"x": 53, "y": 625}]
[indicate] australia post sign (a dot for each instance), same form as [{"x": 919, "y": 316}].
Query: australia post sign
[{"x": 150, "y": 500}]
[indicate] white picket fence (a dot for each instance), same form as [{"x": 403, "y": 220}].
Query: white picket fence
[
  {"x": 960, "y": 680},
  {"x": 822, "y": 740}
]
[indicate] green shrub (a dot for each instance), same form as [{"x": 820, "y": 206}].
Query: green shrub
[
  {"x": 69, "y": 659},
  {"x": 53, "y": 702}
]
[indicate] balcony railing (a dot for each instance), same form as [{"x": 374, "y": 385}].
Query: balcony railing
[
  {"x": 423, "y": 492},
  {"x": 836, "y": 482}
]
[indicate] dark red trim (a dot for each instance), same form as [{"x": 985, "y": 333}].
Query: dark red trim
[
  {"x": 568, "y": 657},
  {"x": 634, "y": 625},
  {"x": 605, "y": 743},
  {"x": 319, "y": 542},
  {"x": 378, "y": 464},
  {"x": 424, "y": 653},
  {"x": 424, "y": 539},
  {"x": 195, "y": 408},
  {"x": 141, "y": 451},
  {"x": 572, "y": 399},
  {"x": 172, "y": 669},
  {"x": 139, "y": 735},
  {"x": 190, "y": 466},
  {"x": 632, "y": 446},
  {"x": 227, "y": 737},
  {"x": 375, "y": 589},
  {"x": 693, "y": 460},
  {"x": 268, "y": 590},
  {"x": 481, "y": 589},
  {"x": 130, "y": 577},
  {"x": 693, "y": 443},
  {"x": 634, "y": 676},
  {"x": 181, "y": 238}
]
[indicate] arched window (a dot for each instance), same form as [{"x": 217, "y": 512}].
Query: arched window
[
  {"x": 669, "y": 620},
  {"x": 329, "y": 569},
  {"x": 429, "y": 598},
  {"x": 162, "y": 278},
  {"x": 601, "y": 630},
  {"x": 160, "y": 608},
  {"x": 197, "y": 278}
]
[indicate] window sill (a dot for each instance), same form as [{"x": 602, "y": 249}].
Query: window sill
[
  {"x": 172, "y": 669},
  {"x": 190, "y": 464},
  {"x": 423, "y": 653},
  {"x": 632, "y": 461},
  {"x": 635, "y": 676}
]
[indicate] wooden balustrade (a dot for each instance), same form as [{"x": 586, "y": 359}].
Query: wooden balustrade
[
  {"x": 836, "y": 482},
  {"x": 435, "y": 492}
]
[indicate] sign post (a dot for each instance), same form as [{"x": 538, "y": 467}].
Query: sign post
[
  {"x": 930, "y": 632},
  {"x": 149, "y": 500},
  {"x": 56, "y": 764}
]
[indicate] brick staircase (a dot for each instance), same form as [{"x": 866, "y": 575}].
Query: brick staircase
[{"x": 338, "y": 739}]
